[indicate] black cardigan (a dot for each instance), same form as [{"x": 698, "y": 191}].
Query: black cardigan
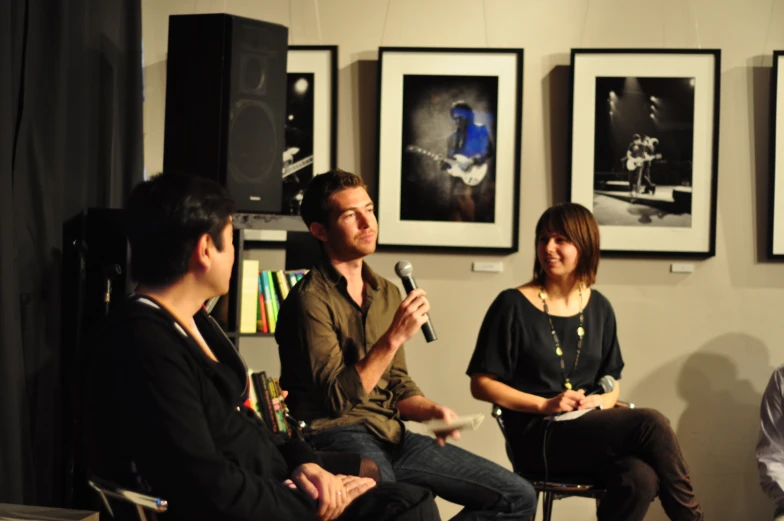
[{"x": 155, "y": 399}]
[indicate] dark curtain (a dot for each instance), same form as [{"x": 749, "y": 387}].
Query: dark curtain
[{"x": 70, "y": 138}]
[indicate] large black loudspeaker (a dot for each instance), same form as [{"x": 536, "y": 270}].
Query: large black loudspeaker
[{"x": 226, "y": 103}]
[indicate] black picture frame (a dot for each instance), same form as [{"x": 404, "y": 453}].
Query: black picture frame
[
  {"x": 776, "y": 224},
  {"x": 432, "y": 195},
  {"x": 311, "y": 146},
  {"x": 644, "y": 139}
]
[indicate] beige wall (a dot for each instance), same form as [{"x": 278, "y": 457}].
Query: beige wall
[{"x": 698, "y": 347}]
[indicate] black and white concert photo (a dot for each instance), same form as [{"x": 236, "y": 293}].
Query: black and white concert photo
[
  {"x": 448, "y": 167},
  {"x": 643, "y": 151},
  {"x": 298, "y": 152}
]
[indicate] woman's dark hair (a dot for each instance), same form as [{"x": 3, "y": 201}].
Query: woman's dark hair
[
  {"x": 165, "y": 217},
  {"x": 315, "y": 202},
  {"x": 578, "y": 225}
]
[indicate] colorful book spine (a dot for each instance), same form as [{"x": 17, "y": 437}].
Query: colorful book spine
[
  {"x": 249, "y": 297},
  {"x": 283, "y": 407},
  {"x": 273, "y": 297},
  {"x": 283, "y": 284},
  {"x": 263, "y": 326},
  {"x": 270, "y": 404},
  {"x": 276, "y": 405},
  {"x": 268, "y": 301},
  {"x": 292, "y": 279},
  {"x": 263, "y": 403}
]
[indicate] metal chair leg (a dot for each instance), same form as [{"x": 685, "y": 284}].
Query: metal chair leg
[{"x": 547, "y": 507}]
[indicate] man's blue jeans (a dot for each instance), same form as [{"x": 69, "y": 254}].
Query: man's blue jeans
[{"x": 485, "y": 489}]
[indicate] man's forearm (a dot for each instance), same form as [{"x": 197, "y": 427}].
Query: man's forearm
[
  {"x": 373, "y": 365},
  {"x": 417, "y": 408}
]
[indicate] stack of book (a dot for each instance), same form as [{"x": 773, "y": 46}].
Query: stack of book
[
  {"x": 263, "y": 291},
  {"x": 266, "y": 398}
]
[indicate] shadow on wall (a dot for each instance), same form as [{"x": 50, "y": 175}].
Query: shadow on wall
[
  {"x": 719, "y": 427},
  {"x": 364, "y": 82},
  {"x": 557, "y": 85},
  {"x": 759, "y": 137}
]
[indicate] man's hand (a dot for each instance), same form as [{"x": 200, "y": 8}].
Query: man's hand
[
  {"x": 333, "y": 492},
  {"x": 355, "y": 486},
  {"x": 409, "y": 318},
  {"x": 420, "y": 409},
  {"x": 445, "y": 413},
  {"x": 564, "y": 402}
]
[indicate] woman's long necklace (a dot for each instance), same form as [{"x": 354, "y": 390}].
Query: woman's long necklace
[{"x": 580, "y": 334}]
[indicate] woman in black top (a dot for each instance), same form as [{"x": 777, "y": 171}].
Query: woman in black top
[{"x": 546, "y": 343}]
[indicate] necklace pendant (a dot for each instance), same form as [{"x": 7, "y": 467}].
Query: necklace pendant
[
  {"x": 580, "y": 332},
  {"x": 558, "y": 351},
  {"x": 568, "y": 385}
]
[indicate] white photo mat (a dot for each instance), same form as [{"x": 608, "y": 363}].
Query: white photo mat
[
  {"x": 587, "y": 65},
  {"x": 394, "y": 64}
]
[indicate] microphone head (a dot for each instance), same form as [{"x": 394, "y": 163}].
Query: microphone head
[
  {"x": 607, "y": 383},
  {"x": 404, "y": 269}
]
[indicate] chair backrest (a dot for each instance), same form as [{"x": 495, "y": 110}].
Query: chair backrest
[
  {"x": 498, "y": 413},
  {"x": 141, "y": 503}
]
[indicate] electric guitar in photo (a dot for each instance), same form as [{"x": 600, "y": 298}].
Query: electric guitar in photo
[
  {"x": 633, "y": 163},
  {"x": 290, "y": 166},
  {"x": 459, "y": 166}
]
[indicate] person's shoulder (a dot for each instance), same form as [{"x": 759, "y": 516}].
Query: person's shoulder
[
  {"x": 384, "y": 284},
  {"x": 778, "y": 375},
  {"x": 511, "y": 294},
  {"x": 510, "y": 298},
  {"x": 137, "y": 327},
  {"x": 136, "y": 313},
  {"x": 600, "y": 301},
  {"x": 312, "y": 287},
  {"x": 310, "y": 282}
]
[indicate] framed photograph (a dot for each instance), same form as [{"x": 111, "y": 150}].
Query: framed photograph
[
  {"x": 776, "y": 227},
  {"x": 644, "y": 146},
  {"x": 449, "y": 148},
  {"x": 311, "y": 126}
]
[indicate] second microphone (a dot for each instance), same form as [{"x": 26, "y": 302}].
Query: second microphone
[{"x": 405, "y": 271}]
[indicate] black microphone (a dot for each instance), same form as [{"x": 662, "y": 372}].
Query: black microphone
[
  {"x": 606, "y": 384},
  {"x": 405, "y": 271}
]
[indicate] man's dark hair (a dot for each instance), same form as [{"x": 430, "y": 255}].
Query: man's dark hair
[
  {"x": 315, "y": 202},
  {"x": 165, "y": 217}
]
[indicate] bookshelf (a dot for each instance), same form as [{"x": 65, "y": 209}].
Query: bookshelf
[{"x": 296, "y": 252}]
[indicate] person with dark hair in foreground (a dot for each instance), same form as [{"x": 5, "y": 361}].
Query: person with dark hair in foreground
[
  {"x": 341, "y": 332},
  {"x": 165, "y": 398},
  {"x": 541, "y": 346}
]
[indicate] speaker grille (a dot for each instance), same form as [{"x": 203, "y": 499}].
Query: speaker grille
[
  {"x": 225, "y": 105},
  {"x": 254, "y": 139},
  {"x": 253, "y": 74}
]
